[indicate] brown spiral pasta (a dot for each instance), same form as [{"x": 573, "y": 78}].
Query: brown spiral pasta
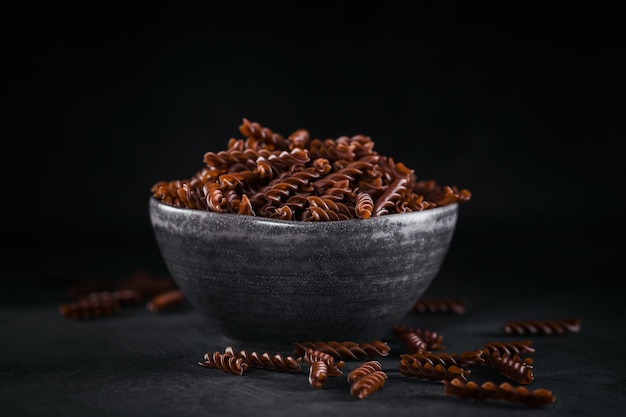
[
  {"x": 328, "y": 205},
  {"x": 364, "y": 205},
  {"x": 321, "y": 214},
  {"x": 462, "y": 360},
  {"x": 363, "y": 369},
  {"x": 224, "y": 362},
  {"x": 297, "y": 183},
  {"x": 265, "y": 360},
  {"x": 440, "y": 195},
  {"x": 311, "y": 356},
  {"x": 488, "y": 390},
  {"x": 261, "y": 174},
  {"x": 392, "y": 194},
  {"x": 346, "y": 350},
  {"x": 263, "y": 135},
  {"x": 341, "y": 194},
  {"x": 367, "y": 384},
  {"x": 513, "y": 367},
  {"x": 509, "y": 348},
  {"x": 542, "y": 327},
  {"x": 413, "y": 342},
  {"x": 245, "y": 206},
  {"x": 417, "y": 369},
  {"x": 439, "y": 305},
  {"x": 105, "y": 297},
  {"x": 469, "y": 358},
  {"x": 318, "y": 373},
  {"x": 418, "y": 340}
]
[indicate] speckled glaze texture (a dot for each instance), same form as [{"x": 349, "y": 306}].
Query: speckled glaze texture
[{"x": 270, "y": 283}]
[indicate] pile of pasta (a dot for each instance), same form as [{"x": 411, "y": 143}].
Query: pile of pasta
[{"x": 299, "y": 178}]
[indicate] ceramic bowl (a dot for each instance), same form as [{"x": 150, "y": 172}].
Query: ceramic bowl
[{"x": 266, "y": 283}]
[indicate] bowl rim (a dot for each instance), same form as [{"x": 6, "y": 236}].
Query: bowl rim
[{"x": 427, "y": 213}]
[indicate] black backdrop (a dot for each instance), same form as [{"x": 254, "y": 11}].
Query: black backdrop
[
  {"x": 519, "y": 103},
  {"x": 516, "y": 104}
]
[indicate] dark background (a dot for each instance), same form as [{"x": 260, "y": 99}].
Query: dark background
[{"x": 517, "y": 104}]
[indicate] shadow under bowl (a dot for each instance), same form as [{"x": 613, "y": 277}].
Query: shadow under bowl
[{"x": 266, "y": 283}]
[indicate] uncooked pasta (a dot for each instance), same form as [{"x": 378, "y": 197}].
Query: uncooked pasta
[{"x": 304, "y": 179}]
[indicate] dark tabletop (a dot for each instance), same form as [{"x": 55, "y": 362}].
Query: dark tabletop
[{"x": 143, "y": 363}]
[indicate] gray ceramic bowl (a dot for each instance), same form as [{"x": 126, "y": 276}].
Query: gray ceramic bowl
[{"x": 268, "y": 283}]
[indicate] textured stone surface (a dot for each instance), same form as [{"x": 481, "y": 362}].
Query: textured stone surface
[{"x": 265, "y": 282}]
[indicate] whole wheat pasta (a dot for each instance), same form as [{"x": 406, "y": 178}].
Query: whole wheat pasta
[
  {"x": 265, "y": 360},
  {"x": 513, "y": 367},
  {"x": 415, "y": 338},
  {"x": 439, "y": 305},
  {"x": 224, "y": 362},
  {"x": 413, "y": 342},
  {"x": 509, "y": 348},
  {"x": 265, "y": 174},
  {"x": 462, "y": 360},
  {"x": 318, "y": 373},
  {"x": 488, "y": 390},
  {"x": 542, "y": 327},
  {"x": 311, "y": 356},
  {"x": 426, "y": 370},
  {"x": 363, "y": 369},
  {"x": 245, "y": 206},
  {"x": 364, "y": 206},
  {"x": 264, "y": 135},
  {"x": 367, "y": 384},
  {"x": 390, "y": 196},
  {"x": 346, "y": 350}
]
